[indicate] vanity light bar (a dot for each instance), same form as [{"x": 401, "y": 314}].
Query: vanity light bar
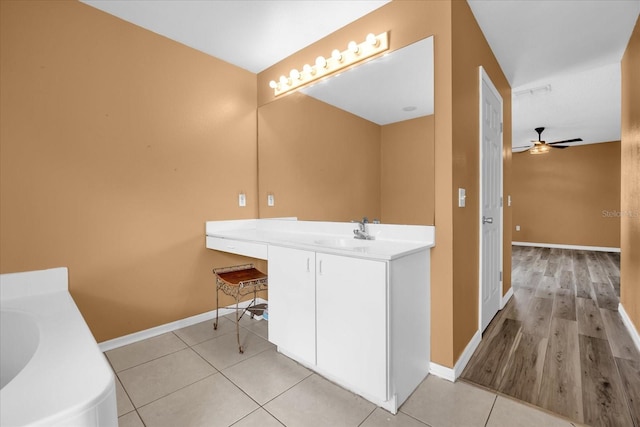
[{"x": 338, "y": 60}]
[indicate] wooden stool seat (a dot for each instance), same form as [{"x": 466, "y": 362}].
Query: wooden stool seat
[{"x": 239, "y": 281}]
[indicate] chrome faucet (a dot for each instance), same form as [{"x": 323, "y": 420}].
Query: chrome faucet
[{"x": 361, "y": 231}]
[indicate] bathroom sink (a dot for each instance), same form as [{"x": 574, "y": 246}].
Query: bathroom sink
[{"x": 355, "y": 244}]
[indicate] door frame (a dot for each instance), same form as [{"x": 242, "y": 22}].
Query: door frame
[{"x": 484, "y": 77}]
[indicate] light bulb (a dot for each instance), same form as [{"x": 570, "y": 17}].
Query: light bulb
[
  {"x": 273, "y": 84},
  {"x": 372, "y": 39},
  {"x": 353, "y": 47},
  {"x": 284, "y": 80},
  {"x": 336, "y": 55},
  {"x": 321, "y": 62},
  {"x": 308, "y": 69},
  {"x": 295, "y": 74}
]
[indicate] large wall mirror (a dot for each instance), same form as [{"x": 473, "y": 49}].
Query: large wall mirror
[{"x": 360, "y": 143}]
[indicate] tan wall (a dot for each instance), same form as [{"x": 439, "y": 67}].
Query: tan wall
[
  {"x": 630, "y": 181},
  {"x": 407, "y": 185},
  {"x": 319, "y": 162},
  {"x": 178, "y": 146},
  {"x": 117, "y": 145},
  {"x": 460, "y": 45},
  {"x": 471, "y": 50},
  {"x": 568, "y": 196}
]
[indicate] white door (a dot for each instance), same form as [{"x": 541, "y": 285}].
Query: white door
[{"x": 490, "y": 200}]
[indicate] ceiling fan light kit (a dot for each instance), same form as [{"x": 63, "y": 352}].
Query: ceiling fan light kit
[{"x": 541, "y": 147}]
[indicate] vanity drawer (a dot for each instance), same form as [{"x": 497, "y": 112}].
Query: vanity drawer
[{"x": 239, "y": 247}]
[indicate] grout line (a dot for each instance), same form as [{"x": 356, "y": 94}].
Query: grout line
[
  {"x": 175, "y": 391},
  {"x": 152, "y": 360},
  {"x": 414, "y": 418},
  {"x": 495, "y": 399},
  {"x": 283, "y": 392},
  {"x": 368, "y": 416},
  {"x": 140, "y": 418},
  {"x": 276, "y": 418},
  {"x": 241, "y": 389}
]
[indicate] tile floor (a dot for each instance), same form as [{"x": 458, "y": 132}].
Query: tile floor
[{"x": 196, "y": 377}]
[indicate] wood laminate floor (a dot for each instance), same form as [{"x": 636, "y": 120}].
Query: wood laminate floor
[{"x": 560, "y": 343}]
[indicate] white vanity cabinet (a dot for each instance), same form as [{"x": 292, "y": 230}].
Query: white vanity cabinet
[
  {"x": 360, "y": 322},
  {"x": 351, "y": 316},
  {"x": 292, "y": 302}
]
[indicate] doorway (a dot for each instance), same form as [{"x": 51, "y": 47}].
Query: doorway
[{"x": 490, "y": 200}]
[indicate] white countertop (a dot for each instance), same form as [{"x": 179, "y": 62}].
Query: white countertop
[{"x": 391, "y": 241}]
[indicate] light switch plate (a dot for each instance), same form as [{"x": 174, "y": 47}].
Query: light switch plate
[
  {"x": 462, "y": 196},
  {"x": 242, "y": 200},
  {"x": 271, "y": 200}
]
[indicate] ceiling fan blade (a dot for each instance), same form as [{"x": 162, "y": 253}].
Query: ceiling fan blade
[
  {"x": 522, "y": 146},
  {"x": 566, "y": 141},
  {"x": 559, "y": 146}
]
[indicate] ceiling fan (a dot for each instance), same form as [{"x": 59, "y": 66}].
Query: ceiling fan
[{"x": 541, "y": 147}]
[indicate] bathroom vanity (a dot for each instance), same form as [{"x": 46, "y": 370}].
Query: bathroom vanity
[{"x": 355, "y": 311}]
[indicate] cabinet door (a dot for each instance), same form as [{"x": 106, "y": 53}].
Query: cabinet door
[
  {"x": 352, "y": 322},
  {"x": 292, "y": 302}
]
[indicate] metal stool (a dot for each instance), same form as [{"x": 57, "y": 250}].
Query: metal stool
[{"x": 237, "y": 282}]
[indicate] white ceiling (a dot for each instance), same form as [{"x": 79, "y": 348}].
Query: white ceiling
[
  {"x": 251, "y": 34},
  {"x": 575, "y": 46}
]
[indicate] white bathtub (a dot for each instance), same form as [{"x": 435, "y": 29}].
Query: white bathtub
[{"x": 52, "y": 372}]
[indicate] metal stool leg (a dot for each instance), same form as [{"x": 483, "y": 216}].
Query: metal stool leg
[
  {"x": 255, "y": 296},
  {"x": 215, "y": 324},
  {"x": 240, "y": 349}
]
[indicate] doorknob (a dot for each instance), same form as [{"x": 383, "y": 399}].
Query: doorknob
[{"x": 487, "y": 220}]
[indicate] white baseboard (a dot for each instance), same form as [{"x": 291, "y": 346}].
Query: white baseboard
[
  {"x": 442, "y": 372},
  {"x": 575, "y": 247},
  {"x": 630, "y": 326},
  {"x": 506, "y": 297},
  {"x": 452, "y": 374},
  {"x": 169, "y": 327}
]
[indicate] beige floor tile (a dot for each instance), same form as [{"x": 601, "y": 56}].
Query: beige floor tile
[
  {"x": 514, "y": 414},
  {"x": 258, "y": 418},
  {"x": 259, "y": 327},
  {"x": 266, "y": 375},
  {"x": 318, "y": 402},
  {"x": 130, "y": 420},
  {"x": 203, "y": 331},
  {"x": 212, "y": 402},
  {"x": 441, "y": 403},
  {"x": 140, "y": 352},
  {"x": 222, "y": 352},
  {"x": 153, "y": 380},
  {"x": 382, "y": 418},
  {"x": 122, "y": 400}
]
